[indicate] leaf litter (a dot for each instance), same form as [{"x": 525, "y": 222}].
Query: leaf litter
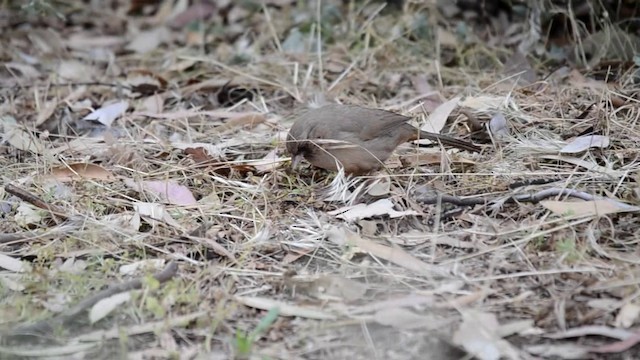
[{"x": 185, "y": 165}]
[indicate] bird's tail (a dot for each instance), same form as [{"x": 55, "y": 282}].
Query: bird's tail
[{"x": 449, "y": 141}]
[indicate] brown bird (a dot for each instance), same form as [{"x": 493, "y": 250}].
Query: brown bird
[{"x": 359, "y": 139}]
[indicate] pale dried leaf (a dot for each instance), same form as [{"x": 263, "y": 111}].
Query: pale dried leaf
[
  {"x": 627, "y": 315},
  {"x": 401, "y": 318},
  {"x": 583, "y": 143},
  {"x": 588, "y": 165},
  {"x": 478, "y": 335},
  {"x": 286, "y": 309},
  {"x": 484, "y": 102},
  {"x": 587, "y": 208},
  {"x": 105, "y": 306},
  {"x": 560, "y": 350},
  {"x": 13, "y": 264},
  {"x": 438, "y": 118},
  {"x": 269, "y": 163},
  {"x": 131, "y": 269},
  {"x": 498, "y": 126},
  {"x": 153, "y": 211},
  {"x": 27, "y": 71},
  {"x": 340, "y": 287},
  {"x": 380, "y": 187},
  {"x": 52, "y": 352},
  {"x": 396, "y": 255},
  {"x": 168, "y": 191},
  {"x": 74, "y": 70},
  {"x": 27, "y": 215},
  {"x": 149, "y": 40},
  {"x": 19, "y": 137},
  {"x": 152, "y": 104},
  {"x": 12, "y": 282},
  {"x": 107, "y": 114},
  {"x": 361, "y": 211}
]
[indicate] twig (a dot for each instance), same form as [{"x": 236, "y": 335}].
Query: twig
[
  {"x": 432, "y": 197},
  {"x": 36, "y": 201}
]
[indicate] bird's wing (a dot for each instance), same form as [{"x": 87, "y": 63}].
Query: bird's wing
[{"x": 365, "y": 122}]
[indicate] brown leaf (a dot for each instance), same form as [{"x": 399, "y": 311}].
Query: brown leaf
[{"x": 76, "y": 171}]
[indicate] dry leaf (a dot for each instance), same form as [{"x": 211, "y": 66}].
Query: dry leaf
[
  {"x": 587, "y": 208},
  {"x": 73, "y": 70},
  {"x": 81, "y": 170},
  {"x": 285, "y": 308},
  {"x": 396, "y": 255},
  {"x": 269, "y": 163},
  {"x": 588, "y": 165},
  {"x": 107, "y": 114},
  {"x": 19, "y": 137},
  {"x": 168, "y": 191},
  {"x": 147, "y": 41},
  {"x": 13, "y": 264},
  {"x": 560, "y": 350},
  {"x": 153, "y": 211},
  {"x": 627, "y": 315},
  {"x": 361, "y": 211},
  {"x": 478, "y": 335},
  {"x": 583, "y": 143},
  {"x": 498, "y": 126},
  {"x": 27, "y": 215},
  {"x": 152, "y": 104},
  {"x": 401, "y": 318},
  {"x": 131, "y": 269},
  {"x": 105, "y": 306},
  {"x": 438, "y": 118}
]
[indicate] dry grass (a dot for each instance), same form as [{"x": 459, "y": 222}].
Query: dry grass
[{"x": 260, "y": 238}]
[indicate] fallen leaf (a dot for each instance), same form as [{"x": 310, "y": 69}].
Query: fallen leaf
[
  {"x": 401, "y": 318},
  {"x": 379, "y": 187},
  {"x": 559, "y": 350},
  {"x": 588, "y": 165},
  {"x": 107, "y": 114},
  {"x": 152, "y": 104},
  {"x": 286, "y": 309},
  {"x": 478, "y": 335},
  {"x": 168, "y": 191},
  {"x": 627, "y": 315},
  {"x": 81, "y": 170},
  {"x": 105, "y": 306},
  {"x": 20, "y": 138},
  {"x": 438, "y": 117},
  {"x": 157, "y": 212},
  {"x": 396, "y": 255},
  {"x": 149, "y": 40},
  {"x": 130, "y": 269},
  {"x": 74, "y": 70},
  {"x": 12, "y": 264},
  {"x": 583, "y": 143},
  {"x": 361, "y": 211},
  {"x": 27, "y": 215},
  {"x": 587, "y": 208},
  {"x": 27, "y": 71},
  {"x": 270, "y": 162},
  {"x": 328, "y": 287},
  {"x": 498, "y": 126}
]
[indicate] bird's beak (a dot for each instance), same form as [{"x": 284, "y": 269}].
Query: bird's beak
[{"x": 295, "y": 161}]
